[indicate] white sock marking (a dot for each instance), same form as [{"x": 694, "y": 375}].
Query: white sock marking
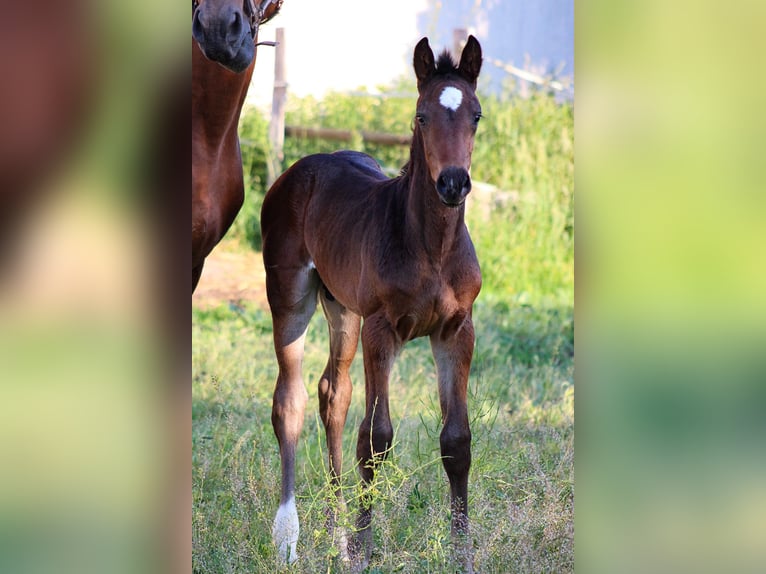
[
  {"x": 285, "y": 531},
  {"x": 451, "y": 98}
]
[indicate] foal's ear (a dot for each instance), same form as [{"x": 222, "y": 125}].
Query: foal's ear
[
  {"x": 423, "y": 61},
  {"x": 470, "y": 61}
]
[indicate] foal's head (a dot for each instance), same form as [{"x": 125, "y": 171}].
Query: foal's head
[
  {"x": 225, "y": 30},
  {"x": 447, "y": 115}
]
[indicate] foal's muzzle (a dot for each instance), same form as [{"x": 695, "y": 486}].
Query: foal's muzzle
[{"x": 453, "y": 185}]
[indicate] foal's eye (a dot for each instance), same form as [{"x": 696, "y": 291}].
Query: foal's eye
[
  {"x": 421, "y": 119},
  {"x": 476, "y": 117}
]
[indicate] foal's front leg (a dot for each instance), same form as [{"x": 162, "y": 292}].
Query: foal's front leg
[
  {"x": 380, "y": 346},
  {"x": 453, "y": 351}
]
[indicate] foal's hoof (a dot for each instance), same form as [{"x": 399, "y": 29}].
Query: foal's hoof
[
  {"x": 358, "y": 566},
  {"x": 462, "y": 554},
  {"x": 285, "y": 532},
  {"x": 360, "y": 550},
  {"x": 466, "y": 566}
]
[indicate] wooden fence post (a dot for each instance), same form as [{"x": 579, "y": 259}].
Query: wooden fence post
[
  {"x": 459, "y": 38},
  {"x": 278, "y": 101}
]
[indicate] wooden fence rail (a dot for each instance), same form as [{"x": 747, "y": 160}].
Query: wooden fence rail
[{"x": 333, "y": 134}]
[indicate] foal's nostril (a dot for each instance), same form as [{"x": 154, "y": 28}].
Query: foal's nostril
[{"x": 467, "y": 183}]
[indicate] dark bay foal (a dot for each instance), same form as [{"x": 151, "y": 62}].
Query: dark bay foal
[{"x": 395, "y": 252}]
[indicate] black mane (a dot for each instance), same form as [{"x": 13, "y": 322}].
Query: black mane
[{"x": 445, "y": 65}]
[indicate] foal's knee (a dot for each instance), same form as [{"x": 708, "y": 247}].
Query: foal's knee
[
  {"x": 374, "y": 440},
  {"x": 455, "y": 441},
  {"x": 382, "y": 437},
  {"x": 373, "y": 444}
]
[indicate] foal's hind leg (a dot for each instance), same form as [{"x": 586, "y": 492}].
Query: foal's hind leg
[
  {"x": 292, "y": 294},
  {"x": 335, "y": 396}
]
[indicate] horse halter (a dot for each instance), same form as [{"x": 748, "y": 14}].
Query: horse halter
[{"x": 255, "y": 14}]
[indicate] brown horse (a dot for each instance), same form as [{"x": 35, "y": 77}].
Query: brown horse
[
  {"x": 395, "y": 252},
  {"x": 49, "y": 71},
  {"x": 224, "y": 40}
]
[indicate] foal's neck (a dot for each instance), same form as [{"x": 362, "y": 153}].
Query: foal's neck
[{"x": 435, "y": 225}]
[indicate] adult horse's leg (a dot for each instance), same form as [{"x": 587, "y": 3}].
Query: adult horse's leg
[
  {"x": 453, "y": 352},
  {"x": 335, "y": 396},
  {"x": 292, "y": 294},
  {"x": 380, "y": 346}
]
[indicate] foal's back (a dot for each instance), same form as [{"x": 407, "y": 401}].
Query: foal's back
[
  {"x": 344, "y": 179},
  {"x": 319, "y": 213}
]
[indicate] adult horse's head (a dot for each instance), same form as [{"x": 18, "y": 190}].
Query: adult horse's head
[
  {"x": 446, "y": 117},
  {"x": 226, "y": 30}
]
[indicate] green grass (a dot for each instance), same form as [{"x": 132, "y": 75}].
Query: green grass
[{"x": 521, "y": 394}]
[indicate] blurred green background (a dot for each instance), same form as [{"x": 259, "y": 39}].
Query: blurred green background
[
  {"x": 90, "y": 432},
  {"x": 670, "y": 289}
]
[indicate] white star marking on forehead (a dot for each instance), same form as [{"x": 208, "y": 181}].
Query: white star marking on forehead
[{"x": 451, "y": 98}]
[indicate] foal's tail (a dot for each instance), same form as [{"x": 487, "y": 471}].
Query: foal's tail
[{"x": 284, "y": 207}]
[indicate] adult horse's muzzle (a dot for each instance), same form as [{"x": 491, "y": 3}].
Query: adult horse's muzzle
[
  {"x": 453, "y": 185},
  {"x": 225, "y": 38}
]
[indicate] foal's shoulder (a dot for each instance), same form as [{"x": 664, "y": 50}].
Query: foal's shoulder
[{"x": 464, "y": 260}]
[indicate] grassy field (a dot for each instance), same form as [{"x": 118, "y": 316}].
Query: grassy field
[{"x": 521, "y": 489}]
